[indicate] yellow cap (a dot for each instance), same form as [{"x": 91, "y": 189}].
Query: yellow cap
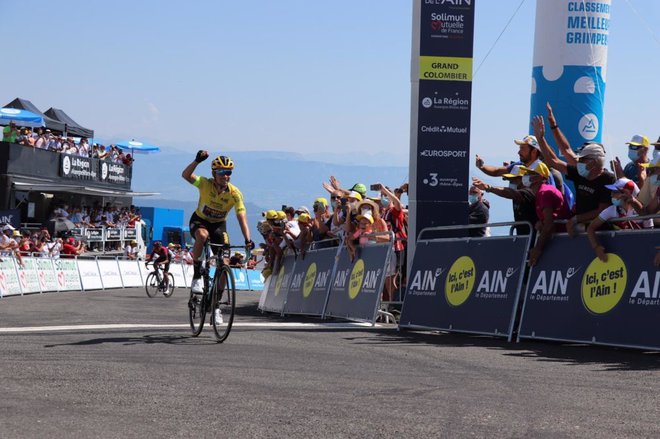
[{"x": 539, "y": 168}]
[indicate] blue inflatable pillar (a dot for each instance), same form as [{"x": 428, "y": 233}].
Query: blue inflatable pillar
[{"x": 570, "y": 60}]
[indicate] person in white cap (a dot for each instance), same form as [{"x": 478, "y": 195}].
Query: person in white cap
[
  {"x": 9, "y": 246},
  {"x": 623, "y": 192},
  {"x": 586, "y": 169},
  {"x": 638, "y": 150}
]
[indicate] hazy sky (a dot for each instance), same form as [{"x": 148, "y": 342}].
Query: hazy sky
[{"x": 292, "y": 75}]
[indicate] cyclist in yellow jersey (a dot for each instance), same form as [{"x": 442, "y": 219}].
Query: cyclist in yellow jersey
[{"x": 216, "y": 198}]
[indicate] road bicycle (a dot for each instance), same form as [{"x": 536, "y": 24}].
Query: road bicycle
[
  {"x": 219, "y": 294},
  {"x": 156, "y": 283}
]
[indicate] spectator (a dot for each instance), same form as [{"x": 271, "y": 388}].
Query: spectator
[
  {"x": 529, "y": 152},
  {"x": 523, "y": 198},
  {"x": 478, "y": 212},
  {"x": 359, "y": 236},
  {"x": 550, "y": 206},
  {"x": 55, "y": 248},
  {"x": 638, "y": 149},
  {"x": 186, "y": 257},
  {"x": 10, "y": 133},
  {"x": 131, "y": 250},
  {"x": 650, "y": 203},
  {"x": 304, "y": 238},
  {"x": 8, "y": 246},
  {"x": 252, "y": 262},
  {"x": 392, "y": 213},
  {"x": 320, "y": 226},
  {"x": 71, "y": 249},
  {"x": 236, "y": 260},
  {"x": 339, "y": 212},
  {"x": 586, "y": 170},
  {"x": 623, "y": 191},
  {"x": 128, "y": 160}
]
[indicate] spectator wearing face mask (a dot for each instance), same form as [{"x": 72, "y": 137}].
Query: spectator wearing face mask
[
  {"x": 550, "y": 206},
  {"x": 523, "y": 198},
  {"x": 638, "y": 149},
  {"x": 478, "y": 212},
  {"x": 586, "y": 170},
  {"x": 649, "y": 197},
  {"x": 623, "y": 192}
]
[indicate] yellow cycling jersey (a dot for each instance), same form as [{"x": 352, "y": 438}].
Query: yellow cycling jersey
[{"x": 214, "y": 206}]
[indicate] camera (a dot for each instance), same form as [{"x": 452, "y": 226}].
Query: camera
[{"x": 375, "y": 187}]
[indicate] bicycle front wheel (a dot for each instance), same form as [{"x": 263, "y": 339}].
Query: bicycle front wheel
[
  {"x": 151, "y": 285},
  {"x": 170, "y": 286},
  {"x": 224, "y": 303}
]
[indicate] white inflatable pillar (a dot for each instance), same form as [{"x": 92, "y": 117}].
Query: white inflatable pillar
[{"x": 569, "y": 71}]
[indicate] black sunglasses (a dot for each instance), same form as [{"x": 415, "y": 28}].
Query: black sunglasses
[{"x": 222, "y": 172}]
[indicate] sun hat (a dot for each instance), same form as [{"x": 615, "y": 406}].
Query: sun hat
[
  {"x": 516, "y": 171},
  {"x": 355, "y": 194},
  {"x": 360, "y": 189},
  {"x": 529, "y": 140},
  {"x": 539, "y": 168},
  {"x": 7, "y": 227},
  {"x": 281, "y": 215},
  {"x": 321, "y": 200},
  {"x": 270, "y": 214},
  {"x": 366, "y": 216},
  {"x": 639, "y": 140},
  {"x": 302, "y": 209},
  {"x": 304, "y": 218},
  {"x": 624, "y": 183}
]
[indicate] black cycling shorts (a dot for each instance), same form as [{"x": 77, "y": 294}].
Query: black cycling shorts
[{"x": 217, "y": 231}]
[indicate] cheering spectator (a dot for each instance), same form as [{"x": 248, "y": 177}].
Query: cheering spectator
[
  {"x": 236, "y": 260},
  {"x": 586, "y": 170},
  {"x": 623, "y": 191},
  {"x": 550, "y": 206},
  {"x": 131, "y": 250},
  {"x": 71, "y": 249}
]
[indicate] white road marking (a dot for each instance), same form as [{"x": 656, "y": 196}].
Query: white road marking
[{"x": 274, "y": 325}]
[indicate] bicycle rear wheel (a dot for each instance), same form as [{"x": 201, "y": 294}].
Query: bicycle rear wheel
[
  {"x": 170, "y": 286},
  {"x": 151, "y": 285},
  {"x": 224, "y": 302}
]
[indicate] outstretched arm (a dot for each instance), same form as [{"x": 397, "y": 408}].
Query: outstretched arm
[
  {"x": 493, "y": 171},
  {"x": 560, "y": 139},
  {"x": 549, "y": 156},
  {"x": 187, "y": 173}
]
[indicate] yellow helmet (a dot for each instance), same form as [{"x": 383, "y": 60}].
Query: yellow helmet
[{"x": 222, "y": 162}]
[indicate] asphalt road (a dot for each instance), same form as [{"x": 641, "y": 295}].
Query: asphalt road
[{"x": 298, "y": 381}]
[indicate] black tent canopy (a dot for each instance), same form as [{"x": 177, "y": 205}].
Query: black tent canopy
[
  {"x": 72, "y": 126},
  {"x": 24, "y": 104}
]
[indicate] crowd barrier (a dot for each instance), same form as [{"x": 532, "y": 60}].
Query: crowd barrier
[
  {"x": 573, "y": 296},
  {"x": 447, "y": 271},
  {"x": 327, "y": 283},
  {"x": 40, "y": 275}
]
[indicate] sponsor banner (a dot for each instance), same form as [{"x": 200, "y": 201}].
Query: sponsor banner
[
  {"x": 446, "y": 27},
  {"x": 90, "y": 275},
  {"x": 177, "y": 273},
  {"x": 465, "y": 285},
  {"x": 130, "y": 273},
  {"x": 27, "y": 276},
  {"x": 570, "y": 65},
  {"x": 66, "y": 272},
  {"x": 240, "y": 279},
  {"x": 12, "y": 217},
  {"x": 114, "y": 173},
  {"x": 130, "y": 234},
  {"x": 109, "y": 270},
  {"x": 310, "y": 282},
  {"x": 279, "y": 285},
  {"x": 255, "y": 280},
  {"x": 112, "y": 234},
  {"x": 356, "y": 287},
  {"x": 574, "y": 296},
  {"x": 76, "y": 167},
  {"x": 46, "y": 274},
  {"x": 442, "y": 95},
  {"x": 9, "y": 284},
  {"x": 94, "y": 234}
]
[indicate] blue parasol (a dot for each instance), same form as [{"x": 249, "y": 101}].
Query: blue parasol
[
  {"x": 136, "y": 146},
  {"x": 22, "y": 118}
]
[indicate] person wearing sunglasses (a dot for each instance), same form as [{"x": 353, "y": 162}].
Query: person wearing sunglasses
[{"x": 217, "y": 196}]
